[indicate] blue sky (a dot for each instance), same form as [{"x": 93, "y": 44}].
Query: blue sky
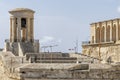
[{"x": 60, "y": 22}]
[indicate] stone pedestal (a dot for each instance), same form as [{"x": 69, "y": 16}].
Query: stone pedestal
[{"x": 21, "y": 48}]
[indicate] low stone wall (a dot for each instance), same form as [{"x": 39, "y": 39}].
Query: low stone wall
[
  {"x": 92, "y": 75},
  {"x": 108, "y": 72},
  {"x": 81, "y": 58},
  {"x": 53, "y": 57},
  {"x": 47, "y": 55}
]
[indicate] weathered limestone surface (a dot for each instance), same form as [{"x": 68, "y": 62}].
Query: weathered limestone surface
[
  {"x": 62, "y": 72},
  {"x": 9, "y": 63},
  {"x": 18, "y": 68},
  {"x": 5, "y": 66},
  {"x": 104, "y": 51},
  {"x": 3, "y": 76}
]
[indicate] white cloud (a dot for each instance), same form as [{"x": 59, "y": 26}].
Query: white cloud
[
  {"x": 59, "y": 41},
  {"x": 48, "y": 40}
]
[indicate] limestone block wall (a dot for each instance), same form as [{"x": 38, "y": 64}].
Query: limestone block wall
[
  {"x": 103, "y": 51},
  {"x": 97, "y": 74},
  {"x": 49, "y": 74},
  {"x": 13, "y": 47},
  {"x": 21, "y": 48},
  {"x": 36, "y": 47}
]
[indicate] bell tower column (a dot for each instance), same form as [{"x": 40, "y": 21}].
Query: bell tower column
[
  {"x": 10, "y": 29},
  {"x": 19, "y": 29},
  {"x": 31, "y": 29},
  {"x": 28, "y": 29},
  {"x": 13, "y": 29}
]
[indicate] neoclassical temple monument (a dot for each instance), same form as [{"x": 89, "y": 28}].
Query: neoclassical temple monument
[
  {"x": 22, "y": 32},
  {"x": 21, "y": 25},
  {"x": 104, "y": 40}
]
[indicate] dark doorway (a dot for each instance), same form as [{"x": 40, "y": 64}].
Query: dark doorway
[{"x": 23, "y": 22}]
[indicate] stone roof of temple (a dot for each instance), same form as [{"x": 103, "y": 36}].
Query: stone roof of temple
[{"x": 21, "y": 9}]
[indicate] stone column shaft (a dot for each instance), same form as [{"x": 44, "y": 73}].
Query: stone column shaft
[
  {"x": 31, "y": 29},
  {"x": 117, "y": 30},
  {"x": 24, "y": 34},
  {"x": 105, "y": 37},
  {"x": 95, "y": 34},
  {"x": 100, "y": 27},
  {"x": 13, "y": 29},
  {"x": 111, "y": 30},
  {"x": 28, "y": 29},
  {"x": 19, "y": 29},
  {"x": 10, "y": 29}
]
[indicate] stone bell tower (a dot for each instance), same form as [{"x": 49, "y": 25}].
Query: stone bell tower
[
  {"x": 22, "y": 32},
  {"x": 21, "y": 25}
]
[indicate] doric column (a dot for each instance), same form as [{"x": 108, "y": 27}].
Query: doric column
[
  {"x": 31, "y": 29},
  {"x": 105, "y": 37},
  {"x": 24, "y": 34},
  {"x": 117, "y": 30},
  {"x": 100, "y": 28},
  {"x": 111, "y": 30},
  {"x": 13, "y": 29},
  {"x": 28, "y": 29},
  {"x": 95, "y": 33},
  {"x": 19, "y": 29},
  {"x": 10, "y": 29}
]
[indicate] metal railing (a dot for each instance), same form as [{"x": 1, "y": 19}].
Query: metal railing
[
  {"x": 85, "y": 42},
  {"x": 37, "y": 41},
  {"x": 89, "y": 43},
  {"x": 7, "y": 40}
]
